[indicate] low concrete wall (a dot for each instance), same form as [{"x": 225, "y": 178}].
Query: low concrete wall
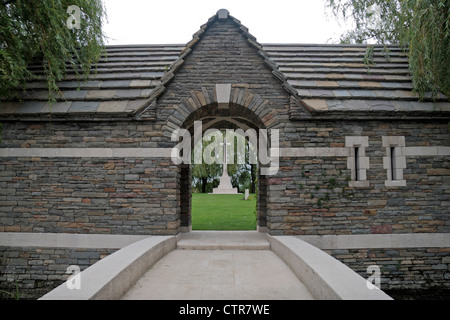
[
  {"x": 112, "y": 276},
  {"x": 324, "y": 276}
]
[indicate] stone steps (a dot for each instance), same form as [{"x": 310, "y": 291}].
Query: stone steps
[{"x": 223, "y": 240}]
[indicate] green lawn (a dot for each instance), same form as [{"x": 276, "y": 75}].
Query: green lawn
[{"x": 223, "y": 212}]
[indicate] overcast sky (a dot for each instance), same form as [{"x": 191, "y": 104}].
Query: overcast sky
[{"x": 175, "y": 21}]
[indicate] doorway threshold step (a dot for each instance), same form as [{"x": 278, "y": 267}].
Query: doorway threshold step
[{"x": 223, "y": 240}]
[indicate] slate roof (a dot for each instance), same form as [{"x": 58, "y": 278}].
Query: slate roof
[
  {"x": 325, "y": 78},
  {"x": 334, "y": 78},
  {"x": 121, "y": 82}
]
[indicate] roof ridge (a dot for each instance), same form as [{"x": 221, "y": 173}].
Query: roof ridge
[{"x": 343, "y": 45}]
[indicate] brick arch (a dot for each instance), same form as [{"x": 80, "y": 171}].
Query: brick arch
[
  {"x": 241, "y": 103},
  {"x": 223, "y": 96}
]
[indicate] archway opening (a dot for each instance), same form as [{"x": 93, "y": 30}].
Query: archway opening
[
  {"x": 224, "y": 186},
  {"x": 229, "y": 137}
]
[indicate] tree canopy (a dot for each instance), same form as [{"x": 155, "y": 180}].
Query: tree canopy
[
  {"x": 59, "y": 34},
  {"x": 420, "y": 26},
  {"x": 242, "y": 173}
]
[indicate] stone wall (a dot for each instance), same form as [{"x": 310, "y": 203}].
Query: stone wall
[
  {"x": 315, "y": 194},
  {"x": 71, "y": 134},
  {"x": 89, "y": 195},
  {"x": 407, "y": 268},
  {"x": 312, "y": 193},
  {"x": 36, "y": 271}
]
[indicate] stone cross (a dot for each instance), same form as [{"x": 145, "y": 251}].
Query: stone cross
[{"x": 225, "y": 167}]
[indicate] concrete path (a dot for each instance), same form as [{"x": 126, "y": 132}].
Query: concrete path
[{"x": 220, "y": 265}]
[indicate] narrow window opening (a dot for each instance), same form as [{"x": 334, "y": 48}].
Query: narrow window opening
[
  {"x": 393, "y": 176},
  {"x": 357, "y": 161}
]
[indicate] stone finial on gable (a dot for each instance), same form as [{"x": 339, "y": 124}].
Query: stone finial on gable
[{"x": 222, "y": 14}]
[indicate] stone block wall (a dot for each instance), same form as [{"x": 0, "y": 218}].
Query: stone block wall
[
  {"x": 82, "y": 134},
  {"x": 315, "y": 195},
  {"x": 407, "y": 268},
  {"x": 89, "y": 195},
  {"x": 311, "y": 193},
  {"x": 36, "y": 271}
]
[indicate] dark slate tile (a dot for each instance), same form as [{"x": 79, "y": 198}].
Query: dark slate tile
[
  {"x": 74, "y": 94},
  {"x": 84, "y": 106},
  {"x": 424, "y": 106},
  {"x": 101, "y": 94},
  {"x": 303, "y": 83},
  {"x": 387, "y": 94},
  {"x": 406, "y": 94},
  {"x": 59, "y": 107},
  {"x": 31, "y": 107},
  {"x": 356, "y": 105},
  {"x": 381, "y": 105},
  {"x": 351, "y": 76},
  {"x": 304, "y": 93},
  {"x": 391, "y": 85},
  {"x": 322, "y": 93},
  {"x": 69, "y": 84},
  {"x": 135, "y": 104},
  {"x": 115, "y": 84},
  {"x": 348, "y": 84},
  {"x": 372, "y": 77},
  {"x": 8, "y": 107},
  {"x": 337, "y": 105},
  {"x": 128, "y": 94},
  {"x": 112, "y": 106},
  {"x": 152, "y": 75},
  {"x": 341, "y": 93},
  {"x": 404, "y": 106},
  {"x": 362, "y": 93}
]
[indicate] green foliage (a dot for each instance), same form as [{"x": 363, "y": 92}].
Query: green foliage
[
  {"x": 421, "y": 27},
  {"x": 429, "y": 44},
  {"x": 15, "y": 295},
  {"x": 368, "y": 57},
  {"x": 206, "y": 176},
  {"x": 37, "y": 31}
]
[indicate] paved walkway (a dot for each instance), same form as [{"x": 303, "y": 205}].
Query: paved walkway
[{"x": 220, "y": 265}]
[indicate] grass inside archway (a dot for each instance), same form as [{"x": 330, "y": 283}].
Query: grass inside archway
[{"x": 223, "y": 212}]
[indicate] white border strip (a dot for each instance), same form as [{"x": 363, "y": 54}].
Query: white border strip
[
  {"x": 379, "y": 241},
  {"x": 86, "y": 152},
  {"x": 426, "y": 151},
  {"x": 66, "y": 240},
  {"x": 356, "y": 241},
  {"x": 166, "y": 152},
  {"x": 314, "y": 152},
  {"x": 147, "y": 152}
]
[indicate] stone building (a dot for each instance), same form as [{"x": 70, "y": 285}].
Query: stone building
[{"x": 362, "y": 168}]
